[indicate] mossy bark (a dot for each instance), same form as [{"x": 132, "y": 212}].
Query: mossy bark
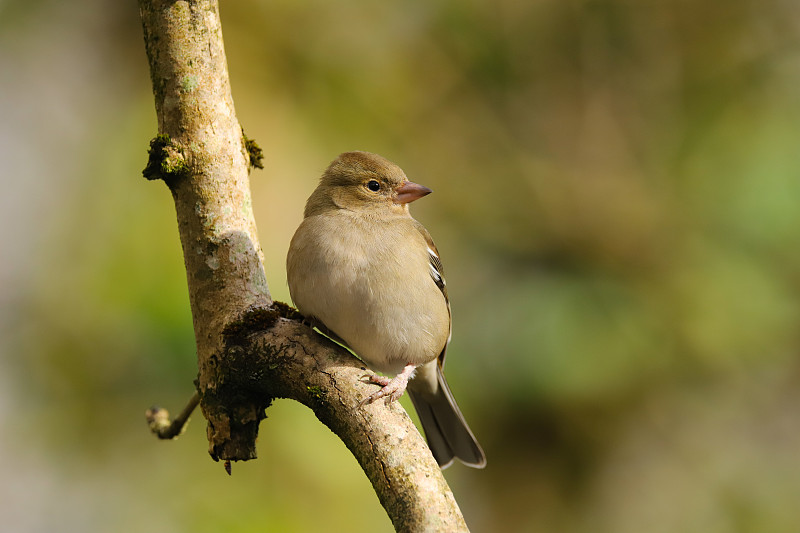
[{"x": 249, "y": 348}]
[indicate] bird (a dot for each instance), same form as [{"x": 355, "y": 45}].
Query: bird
[{"x": 363, "y": 271}]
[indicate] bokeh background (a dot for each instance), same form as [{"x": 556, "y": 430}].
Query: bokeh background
[{"x": 616, "y": 202}]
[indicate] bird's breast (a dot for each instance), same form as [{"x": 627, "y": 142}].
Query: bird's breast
[{"x": 371, "y": 288}]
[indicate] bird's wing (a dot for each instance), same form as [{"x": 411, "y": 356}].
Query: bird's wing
[{"x": 437, "y": 274}]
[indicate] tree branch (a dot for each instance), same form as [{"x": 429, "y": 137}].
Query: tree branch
[
  {"x": 249, "y": 348},
  {"x": 160, "y": 424}
]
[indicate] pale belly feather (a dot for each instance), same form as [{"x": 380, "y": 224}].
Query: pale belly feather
[{"x": 387, "y": 320}]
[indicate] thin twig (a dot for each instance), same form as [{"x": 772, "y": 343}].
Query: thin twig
[{"x": 160, "y": 425}]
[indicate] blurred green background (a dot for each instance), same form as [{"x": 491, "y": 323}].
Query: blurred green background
[{"x": 616, "y": 203}]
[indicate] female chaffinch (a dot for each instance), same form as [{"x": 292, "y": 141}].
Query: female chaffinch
[{"x": 365, "y": 272}]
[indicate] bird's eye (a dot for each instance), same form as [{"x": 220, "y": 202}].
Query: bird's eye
[{"x": 373, "y": 185}]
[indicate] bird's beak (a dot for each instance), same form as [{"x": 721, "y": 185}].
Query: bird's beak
[{"x": 410, "y": 191}]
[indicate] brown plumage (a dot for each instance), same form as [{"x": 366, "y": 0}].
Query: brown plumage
[{"x": 364, "y": 270}]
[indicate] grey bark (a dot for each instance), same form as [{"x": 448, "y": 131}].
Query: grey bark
[{"x": 249, "y": 348}]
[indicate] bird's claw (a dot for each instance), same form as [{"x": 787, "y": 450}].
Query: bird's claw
[
  {"x": 392, "y": 388},
  {"x": 375, "y": 378},
  {"x": 390, "y": 395}
]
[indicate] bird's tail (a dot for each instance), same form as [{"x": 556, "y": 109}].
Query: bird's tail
[{"x": 446, "y": 431}]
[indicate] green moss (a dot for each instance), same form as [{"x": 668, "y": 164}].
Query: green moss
[
  {"x": 254, "y": 320},
  {"x": 254, "y": 151},
  {"x": 316, "y": 392},
  {"x": 287, "y": 311},
  {"x": 260, "y": 319},
  {"x": 165, "y": 160}
]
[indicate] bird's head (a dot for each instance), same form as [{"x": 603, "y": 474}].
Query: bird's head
[{"x": 365, "y": 182}]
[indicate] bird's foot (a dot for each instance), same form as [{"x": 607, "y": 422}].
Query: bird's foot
[{"x": 392, "y": 388}]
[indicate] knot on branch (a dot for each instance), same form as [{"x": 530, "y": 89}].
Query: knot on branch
[
  {"x": 244, "y": 379},
  {"x": 165, "y": 161},
  {"x": 233, "y": 421}
]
